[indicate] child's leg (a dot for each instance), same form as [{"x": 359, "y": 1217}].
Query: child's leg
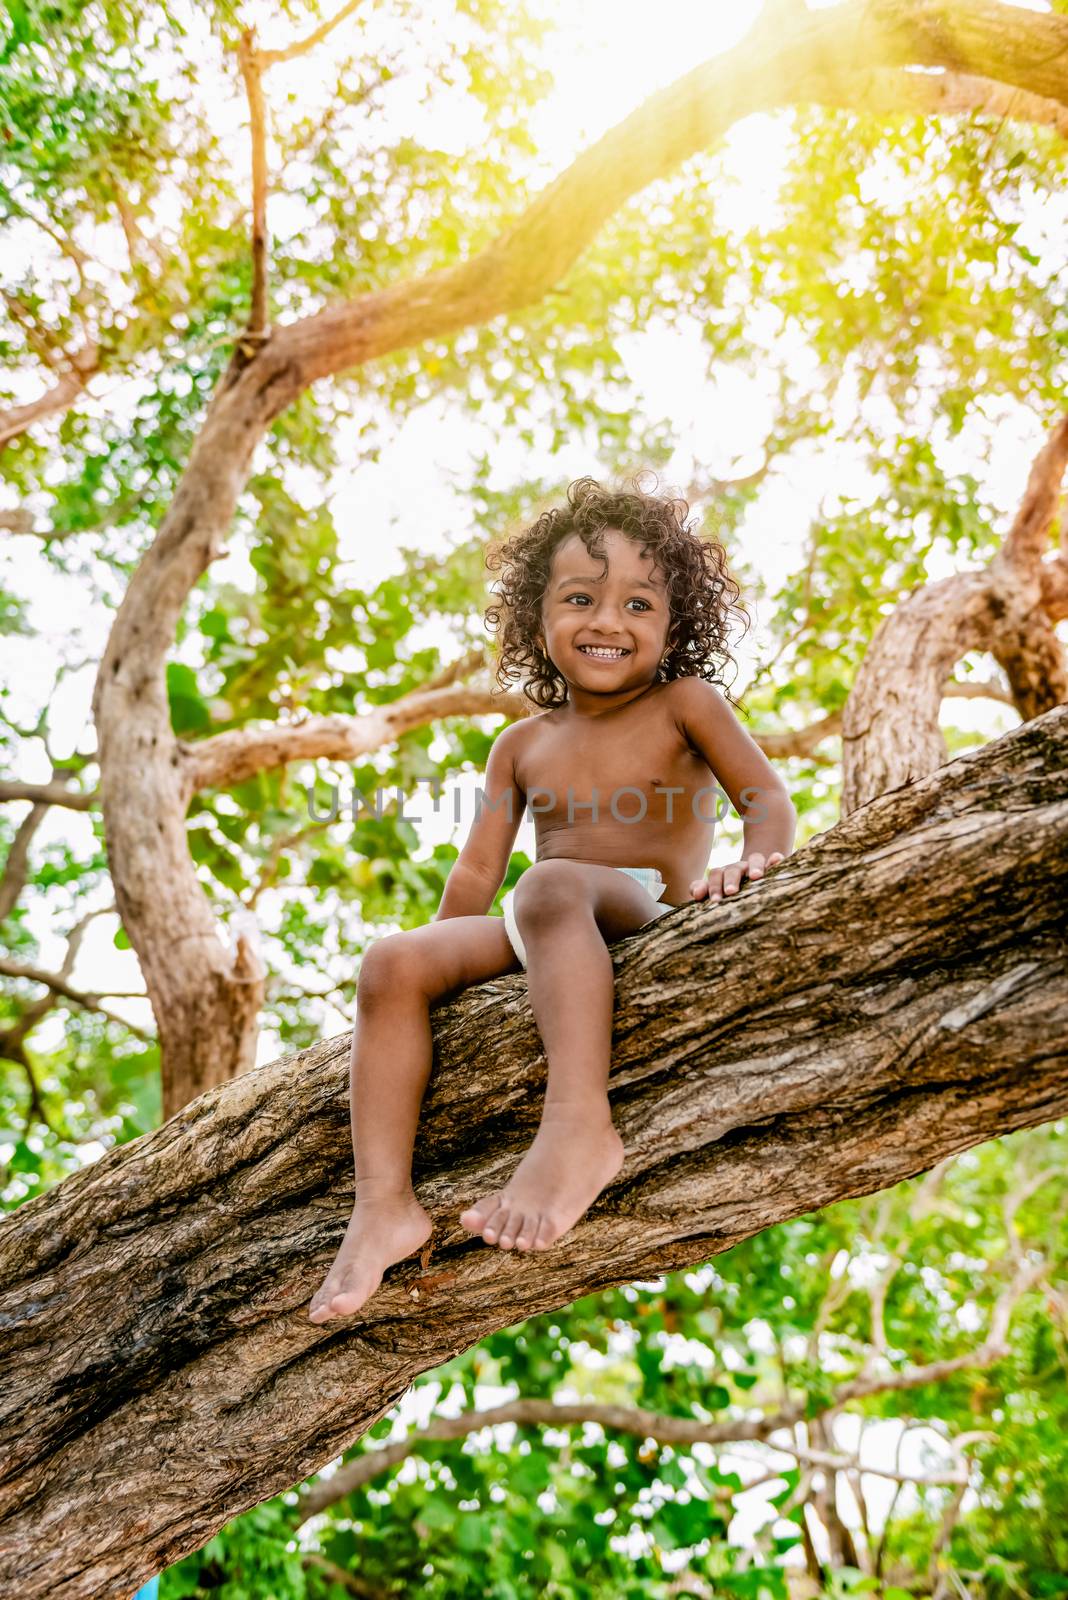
[
  {"x": 401, "y": 976},
  {"x": 566, "y": 910}
]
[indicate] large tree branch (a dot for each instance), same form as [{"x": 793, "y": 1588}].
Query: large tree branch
[
  {"x": 231, "y": 757},
  {"x": 891, "y": 93},
  {"x": 833, "y": 48},
  {"x": 890, "y": 730},
  {"x": 1024, "y": 641},
  {"x": 228, "y": 758},
  {"x": 864, "y": 979},
  {"x": 828, "y": 53},
  {"x": 47, "y": 794},
  {"x": 60, "y": 397}
]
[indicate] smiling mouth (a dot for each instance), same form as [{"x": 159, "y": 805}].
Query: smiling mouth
[{"x": 602, "y": 653}]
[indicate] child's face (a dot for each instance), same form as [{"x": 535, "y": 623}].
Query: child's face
[{"x": 622, "y": 605}]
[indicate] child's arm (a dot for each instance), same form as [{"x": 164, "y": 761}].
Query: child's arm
[
  {"x": 754, "y": 788},
  {"x": 479, "y": 869}
]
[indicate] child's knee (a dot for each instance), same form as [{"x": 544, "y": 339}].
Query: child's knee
[
  {"x": 387, "y": 964},
  {"x": 547, "y": 891}
]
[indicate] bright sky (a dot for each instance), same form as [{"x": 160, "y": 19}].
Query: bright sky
[{"x": 610, "y": 55}]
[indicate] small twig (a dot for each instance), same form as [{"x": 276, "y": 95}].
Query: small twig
[
  {"x": 14, "y": 1050},
  {"x": 89, "y": 1000},
  {"x": 1018, "y": 1197},
  {"x": 251, "y": 64},
  {"x": 346, "y": 1580},
  {"x": 17, "y": 866},
  {"x": 268, "y": 58},
  {"x": 279, "y": 845}
]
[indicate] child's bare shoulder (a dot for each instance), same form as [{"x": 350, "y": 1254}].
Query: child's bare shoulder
[
  {"x": 703, "y": 714},
  {"x": 514, "y": 740},
  {"x": 518, "y": 734},
  {"x": 692, "y": 696}
]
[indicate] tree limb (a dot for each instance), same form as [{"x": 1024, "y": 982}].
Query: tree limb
[
  {"x": 227, "y": 758},
  {"x": 268, "y": 58},
  {"x": 890, "y": 730},
  {"x": 87, "y": 999},
  {"x": 347, "y": 1580},
  {"x": 250, "y": 64},
  {"x": 17, "y": 419},
  {"x": 888, "y": 93},
  {"x": 17, "y": 864},
  {"x": 13, "y": 1049},
  {"x": 48, "y": 794},
  {"x": 1024, "y": 641},
  {"x": 829, "y": 54},
  {"x": 18, "y": 521}
]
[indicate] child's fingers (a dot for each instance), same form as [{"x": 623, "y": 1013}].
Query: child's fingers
[{"x": 719, "y": 881}]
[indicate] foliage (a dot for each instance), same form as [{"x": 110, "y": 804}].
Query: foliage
[{"x": 584, "y": 1510}]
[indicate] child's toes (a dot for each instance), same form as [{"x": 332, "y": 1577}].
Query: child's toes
[
  {"x": 491, "y": 1232},
  {"x": 512, "y": 1230},
  {"x": 474, "y": 1219},
  {"x": 545, "y": 1234},
  {"x": 525, "y": 1237},
  {"x": 320, "y": 1301}
]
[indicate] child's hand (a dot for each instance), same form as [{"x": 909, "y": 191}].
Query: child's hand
[{"x": 719, "y": 881}]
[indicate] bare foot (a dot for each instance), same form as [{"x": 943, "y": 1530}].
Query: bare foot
[
  {"x": 560, "y": 1176},
  {"x": 381, "y": 1230}
]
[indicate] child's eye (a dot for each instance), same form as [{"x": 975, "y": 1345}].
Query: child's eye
[{"x": 640, "y": 601}]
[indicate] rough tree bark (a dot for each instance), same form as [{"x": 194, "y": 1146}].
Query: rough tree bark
[
  {"x": 894, "y": 992},
  {"x": 890, "y": 730},
  {"x": 206, "y": 998}
]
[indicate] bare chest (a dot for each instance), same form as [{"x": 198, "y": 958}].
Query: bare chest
[{"x": 625, "y": 765}]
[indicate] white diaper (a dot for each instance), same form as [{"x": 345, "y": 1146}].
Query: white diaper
[{"x": 648, "y": 877}]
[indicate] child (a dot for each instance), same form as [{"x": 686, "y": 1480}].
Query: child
[{"x": 616, "y": 612}]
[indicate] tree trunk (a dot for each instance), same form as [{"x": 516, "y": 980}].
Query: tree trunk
[{"x": 893, "y": 993}]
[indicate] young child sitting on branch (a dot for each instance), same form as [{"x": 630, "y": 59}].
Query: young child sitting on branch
[{"x": 615, "y": 613}]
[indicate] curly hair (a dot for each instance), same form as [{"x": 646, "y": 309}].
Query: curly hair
[{"x": 701, "y": 592}]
